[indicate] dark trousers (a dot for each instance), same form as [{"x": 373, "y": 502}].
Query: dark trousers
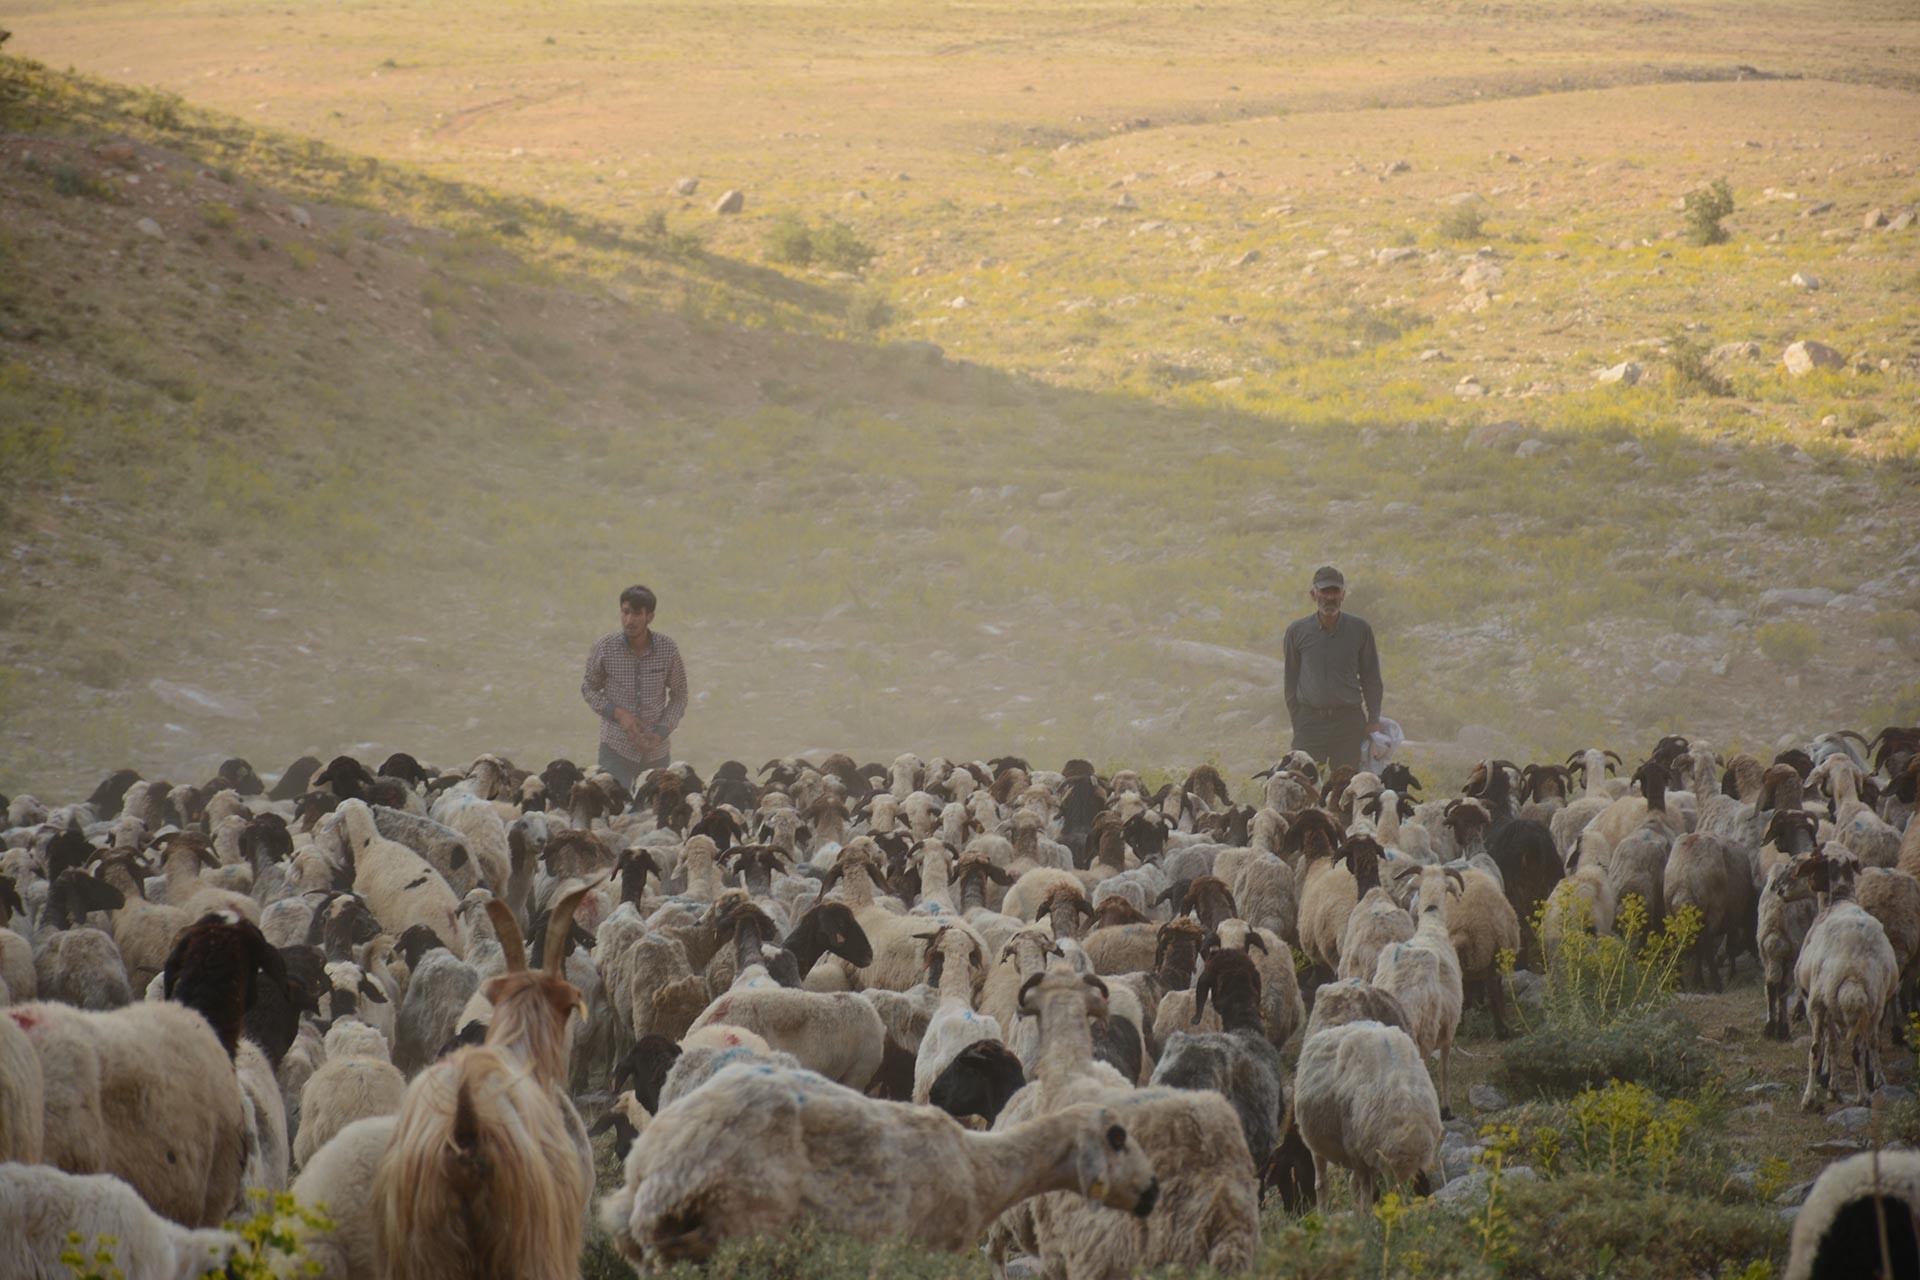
[
  {"x": 626, "y": 771},
  {"x": 1332, "y": 736}
]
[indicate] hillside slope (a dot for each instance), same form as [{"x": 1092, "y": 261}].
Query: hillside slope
[{"x": 363, "y": 456}]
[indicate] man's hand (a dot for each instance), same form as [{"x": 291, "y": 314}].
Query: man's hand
[
  {"x": 628, "y": 722},
  {"x": 647, "y": 742},
  {"x": 1374, "y": 726}
]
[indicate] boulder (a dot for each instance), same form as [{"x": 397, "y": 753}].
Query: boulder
[
  {"x": 730, "y": 202},
  {"x": 1504, "y": 435},
  {"x": 1901, "y": 220},
  {"x": 1780, "y": 599},
  {"x": 1805, "y": 356},
  {"x": 1801, "y": 280},
  {"x": 685, "y": 186},
  {"x": 1404, "y": 253},
  {"x": 1875, "y": 219},
  {"x": 148, "y": 227},
  {"x": 1627, "y": 373}
]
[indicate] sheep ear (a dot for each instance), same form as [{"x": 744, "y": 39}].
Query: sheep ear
[
  {"x": 1255, "y": 940},
  {"x": 1201, "y": 990},
  {"x": 371, "y": 990}
]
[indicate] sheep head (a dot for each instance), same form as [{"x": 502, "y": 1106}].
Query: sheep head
[
  {"x": 1181, "y": 939},
  {"x": 1233, "y": 980},
  {"x": 1060, "y": 988},
  {"x": 1116, "y": 910}
]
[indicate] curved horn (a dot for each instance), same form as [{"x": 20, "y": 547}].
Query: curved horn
[
  {"x": 508, "y": 930},
  {"x": 1453, "y": 874},
  {"x": 1032, "y": 981},
  {"x": 560, "y": 923}
]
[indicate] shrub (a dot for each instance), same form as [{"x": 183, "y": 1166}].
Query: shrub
[
  {"x": 1659, "y": 1050},
  {"x": 1791, "y": 644},
  {"x": 220, "y": 216},
  {"x": 1896, "y": 624},
  {"x": 1598, "y": 981},
  {"x": 1463, "y": 221},
  {"x": 1618, "y": 1129},
  {"x": 71, "y": 180},
  {"x": 869, "y": 311},
  {"x": 1705, "y": 208},
  {"x": 1587, "y": 1224},
  {"x": 158, "y": 108},
  {"x": 789, "y": 240},
  {"x": 1688, "y": 370}
]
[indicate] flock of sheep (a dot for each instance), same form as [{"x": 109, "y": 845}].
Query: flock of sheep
[{"x": 968, "y": 1004}]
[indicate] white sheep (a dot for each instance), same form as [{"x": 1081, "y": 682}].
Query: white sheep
[
  {"x": 1786, "y": 913},
  {"x": 40, "y": 1207},
  {"x": 1837, "y": 1233},
  {"x": 954, "y": 1024},
  {"x": 146, "y": 1093},
  {"x": 355, "y": 1082},
  {"x": 1362, "y": 1099},
  {"x": 399, "y": 886},
  {"x": 1423, "y": 974},
  {"x": 337, "y": 1183},
  {"x": 835, "y": 1033},
  {"x": 266, "y": 1113},
  {"x": 759, "y": 1148},
  {"x": 1846, "y": 973},
  {"x": 22, "y": 1096}
]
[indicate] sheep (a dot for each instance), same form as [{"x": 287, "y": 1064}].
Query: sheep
[
  {"x": 489, "y": 1170},
  {"x": 22, "y": 1096},
  {"x": 896, "y": 941},
  {"x": 978, "y": 1082},
  {"x": 1237, "y": 1062},
  {"x": 399, "y": 886},
  {"x": 1530, "y": 867},
  {"x": 40, "y": 1208},
  {"x": 1846, "y": 973},
  {"x": 1377, "y": 921},
  {"x": 1208, "y": 1198},
  {"x": 1423, "y": 974},
  {"x": 835, "y": 1033},
  {"x": 817, "y": 1151},
  {"x": 338, "y": 1183},
  {"x": 1859, "y": 1217},
  {"x": 1265, "y": 892},
  {"x": 144, "y": 931},
  {"x": 267, "y": 1155},
  {"x": 74, "y": 964},
  {"x": 446, "y": 849},
  {"x": 1336, "y": 1004},
  {"x": 1363, "y": 1100},
  {"x": 1584, "y": 900},
  {"x": 1637, "y": 867},
  {"x": 1708, "y": 874},
  {"x": 438, "y": 987},
  {"x": 18, "y": 981},
  {"x": 1786, "y": 913},
  {"x": 146, "y": 1093},
  {"x": 1481, "y": 924},
  {"x": 1327, "y": 892},
  {"x": 1893, "y": 898},
  {"x": 355, "y": 1082},
  {"x": 955, "y": 967}
]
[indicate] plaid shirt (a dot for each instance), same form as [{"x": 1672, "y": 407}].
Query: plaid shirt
[{"x": 653, "y": 687}]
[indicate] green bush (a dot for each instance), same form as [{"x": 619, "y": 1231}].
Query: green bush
[
  {"x": 1688, "y": 370},
  {"x": 1705, "y": 208},
  {"x": 1597, "y": 981},
  {"x": 1463, "y": 221},
  {"x": 790, "y": 240},
  {"x": 1791, "y": 644},
  {"x": 1659, "y": 1050}
]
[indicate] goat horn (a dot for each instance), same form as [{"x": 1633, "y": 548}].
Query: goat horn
[
  {"x": 560, "y": 923},
  {"x": 508, "y": 931}
]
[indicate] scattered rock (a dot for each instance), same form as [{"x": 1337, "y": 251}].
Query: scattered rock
[
  {"x": 1850, "y": 1119},
  {"x": 1506, "y": 434},
  {"x": 1627, "y": 372},
  {"x": 1875, "y": 219},
  {"x": 1901, "y": 221},
  {"x": 732, "y": 201},
  {"x": 1888, "y": 1095},
  {"x": 148, "y": 227},
  {"x": 1817, "y": 208},
  {"x": 960, "y": 303},
  {"x": 1780, "y": 599},
  {"x": 1805, "y": 356},
  {"x": 1835, "y": 1148},
  {"x": 1016, "y": 537},
  {"x": 1484, "y": 1097},
  {"x": 1055, "y": 500},
  {"x": 1729, "y": 352},
  {"x": 685, "y": 186},
  {"x": 1126, "y": 201},
  {"x": 1230, "y": 384},
  {"x": 1668, "y": 671},
  {"x": 930, "y": 352},
  {"x": 1794, "y": 1195},
  {"x": 1434, "y": 355},
  {"x": 1481, "y": 275},
  {"x": 1532, "y": 448},
  {"x": 1456, "y": 1161},
  {"x": 1403, "y": 253},
  {"x": 1766, "y": 1087},
  {"x": 1469, "y": 388},
  {"x": 1754, "y": 1111},
  {"x": 183, "y": 697},
  {"x": 1804, "y": 281},
  {"x": 1478, "y": 300},
  {"x": 1247, "y": 259},
  {"x": 1470, "y": 1192},
  {"x": 117, "y": 153},
  {"x": 1396, "y": 166}
]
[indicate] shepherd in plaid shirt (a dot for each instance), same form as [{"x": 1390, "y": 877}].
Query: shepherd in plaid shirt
[{"x": 637, "y": 685}]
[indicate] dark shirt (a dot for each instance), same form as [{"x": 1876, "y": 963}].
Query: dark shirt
[
  {"x": 653, "y": 687},
  {"x": 1328, "y": 670}
]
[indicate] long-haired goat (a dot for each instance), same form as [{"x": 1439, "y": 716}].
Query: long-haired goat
[{"x": 488, "y": 1173}]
